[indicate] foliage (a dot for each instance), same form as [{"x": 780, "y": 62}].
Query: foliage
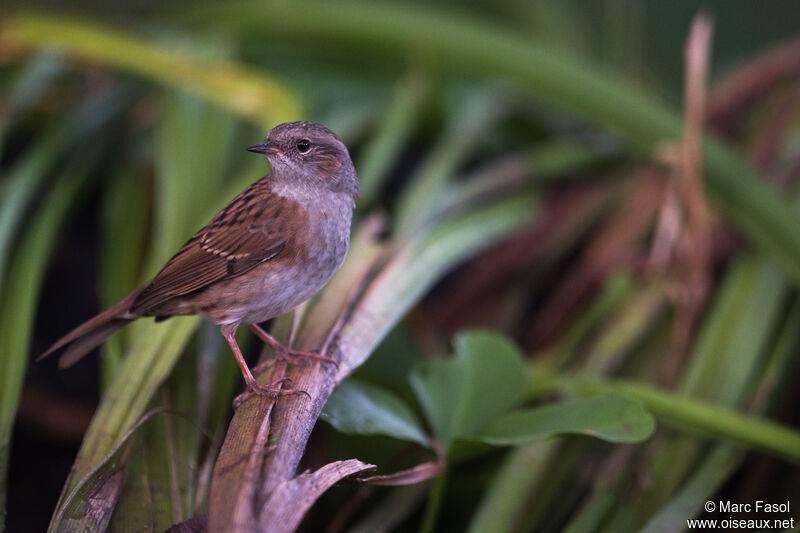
[{"x": 521, "y": 202}]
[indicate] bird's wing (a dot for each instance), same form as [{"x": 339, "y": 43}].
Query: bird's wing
[{"x": 252, "y": 229}]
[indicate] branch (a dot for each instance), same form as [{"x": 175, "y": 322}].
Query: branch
[{"x": 292, "y": 498}]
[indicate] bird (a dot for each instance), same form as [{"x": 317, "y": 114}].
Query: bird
[{"x": 274, "y": 246}]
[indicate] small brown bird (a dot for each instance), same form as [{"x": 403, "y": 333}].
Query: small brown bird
[{"x": 272, "y": 248}]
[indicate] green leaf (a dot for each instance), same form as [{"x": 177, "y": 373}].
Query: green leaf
[
  {"x": 473, "y": 114},
  {"x": 20, "y": 183},
  {"x": 512, "y": 482},
  {"x": 89, "y": 504},
  {"x": 193, "y": 139},
  {"x": 705, "y": 480},
  {"x": 149, "y": 360},
  {"x": 358, "y": 408},
  {"x": 391, "y": 363},
  {"x": 247, "y": 92},
  {"x": 611, "y": 418},
  {"x": 486, "y": 378},
  {"x": 27, "y": 88},
  {"x": 125, "y": 209},
  {"x": 737, "y": 332},
  {"x": 591, "y": 516},
  {"x": 22, "y": 289},
  {"x": 396, "y": 124},
  {"x": 159, "y": 491}
]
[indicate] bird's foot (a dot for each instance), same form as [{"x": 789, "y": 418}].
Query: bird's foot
[
  {"x": 272, "y": 390},
  {"x": 282, "y": 353},
  {"x": 294, "y": 356}
]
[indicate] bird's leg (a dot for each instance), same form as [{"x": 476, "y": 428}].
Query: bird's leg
[
  {"x": 252, "y": 385},
  {"x": 282, "y": 352}
]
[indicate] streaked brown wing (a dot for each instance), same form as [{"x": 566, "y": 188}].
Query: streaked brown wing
[{"x": 250, "y": 230}]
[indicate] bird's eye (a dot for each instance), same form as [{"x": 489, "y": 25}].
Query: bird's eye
[{"x": 303, "y": 145}]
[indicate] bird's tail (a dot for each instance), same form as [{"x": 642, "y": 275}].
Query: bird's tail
[{"x": 93, "y": 332}]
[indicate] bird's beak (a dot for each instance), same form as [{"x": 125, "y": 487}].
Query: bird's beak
[{"x": 266, "y": 148}]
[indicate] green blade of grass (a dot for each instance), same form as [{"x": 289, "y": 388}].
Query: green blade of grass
[
  {"x": 218, "y": 377},
  {"x": 547, "y": 162},
  {"x": 183, "y": 436},
  {"x": 510, "y": 487},
  {"x": 557, "y": 490},
  {"x": 134, "y": 509},
  {"x": 125, "y": 214},
  {"x": 688, "y": 413},
  {"x": 89, "y": 504},
  {"x": 34, "y": 79},
  {"x": 245, "y": 91},
  {"x": 677, "y": 456},
  {"x": 20, "y": 184},
  {"x": 396, "y": 124},
  {"x": 23, "y": 283},
  {"x": 732, "y": 344},
  {"x": 608, "y": 302},
  {"x": 723, "y": 461},
  {"x": 625, "y": 328},
  {"x": 737, "y": 332},
  {"x": 192, "y": 148},
  {"x": 591, "y": 516},
  {"x": 472, "y": 115},
  {"x": 712, "y": 471},
  {"x": 159, "y": 490}
]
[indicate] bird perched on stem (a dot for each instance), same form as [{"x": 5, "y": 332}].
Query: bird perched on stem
[{"x": 269, "y": 250}]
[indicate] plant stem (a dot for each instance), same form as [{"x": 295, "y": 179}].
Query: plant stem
[{"x": 434, "y": 503}]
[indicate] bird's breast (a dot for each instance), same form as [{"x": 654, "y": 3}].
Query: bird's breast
[{"x": 314, "y": 252}]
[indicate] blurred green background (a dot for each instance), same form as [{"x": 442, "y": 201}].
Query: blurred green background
[{"x": 123, "y": 128}]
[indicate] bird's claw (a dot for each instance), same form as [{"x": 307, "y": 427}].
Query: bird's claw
[
  {"x": 287, "y": 354},
  {"x": 273, "y": 390}
]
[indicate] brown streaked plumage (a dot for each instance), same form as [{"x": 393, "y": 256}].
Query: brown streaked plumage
[{"x": 270, "y": 249}]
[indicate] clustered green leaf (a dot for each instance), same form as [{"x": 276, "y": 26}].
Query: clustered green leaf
[{"x": 476, "y": 395}]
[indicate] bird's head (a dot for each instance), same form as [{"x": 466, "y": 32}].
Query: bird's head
[{"x": 310, "y": 155}]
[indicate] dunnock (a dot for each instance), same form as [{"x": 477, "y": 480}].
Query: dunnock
[{"x": 273, "y": 247}]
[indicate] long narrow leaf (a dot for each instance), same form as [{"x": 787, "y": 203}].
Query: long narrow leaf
[
  {"x": 245, "y": 91},
  {"x": 395, "y": 127},
  {"x": 19, "y": 184},
  {"x": 698, "y": 416},
  {"x": 510, "y": 487},
  {"x": 17, "y": 310}
]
